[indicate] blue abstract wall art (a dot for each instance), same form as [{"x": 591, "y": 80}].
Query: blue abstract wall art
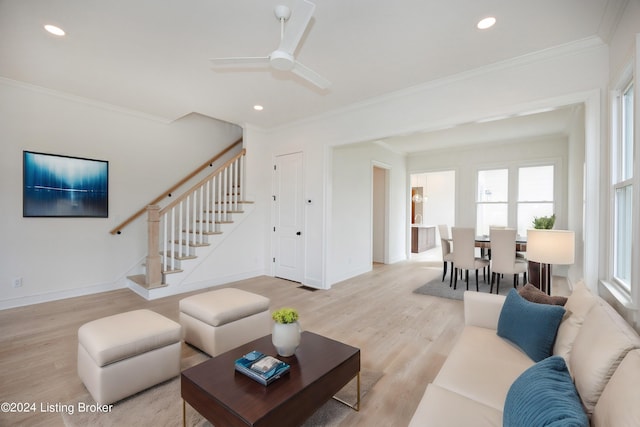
[{"x": 63, "y": 186}]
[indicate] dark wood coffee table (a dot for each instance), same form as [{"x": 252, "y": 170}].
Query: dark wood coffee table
[{"x": 319, "y": 369}]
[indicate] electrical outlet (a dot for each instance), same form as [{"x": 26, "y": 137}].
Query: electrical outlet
[{"x": 17, "y": 282}]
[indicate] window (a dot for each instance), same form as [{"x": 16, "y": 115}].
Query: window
[
  {"x": 535, "y": 195},
  {"x": 492, "y": 199},
  {"x": 498, "y": 205},
  {"x": 623, "y": 188}
]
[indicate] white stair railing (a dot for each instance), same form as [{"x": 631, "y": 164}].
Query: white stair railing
[{"x": 177, "y": 229}]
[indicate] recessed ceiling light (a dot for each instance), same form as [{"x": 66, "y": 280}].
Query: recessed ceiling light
[
  {"x": 258, "y": 107},
  {"x": 56, "y": 31},
  {"x": 486, "y": 23}
]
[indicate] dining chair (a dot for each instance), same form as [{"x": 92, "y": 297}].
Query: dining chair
[
  {"x": 504, "y": 259},
  {"x": 464, "y": 254},
  {"x": 447, "y": 254}
]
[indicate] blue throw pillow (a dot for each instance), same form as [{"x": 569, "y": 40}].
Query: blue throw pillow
[
  {"x": 532, "y": 327},
  {"x": 544, "y": 395}
]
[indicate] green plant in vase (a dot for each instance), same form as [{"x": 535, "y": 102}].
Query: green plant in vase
[
  {"x": 286, "y": 331},
  {"x": 544, "y": 222},
  {"x": 285, "y": 315}
]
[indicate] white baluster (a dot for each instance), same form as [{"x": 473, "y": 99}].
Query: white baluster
[
  {"x": 201, "y": 214},
  {"x": 178, "y": 242},
  {"x": 241, "y": 178},
  {"x": 163, "y": 239},
  {"x": 232, "y": 168},
  {"x": 194, "y": 218},
  {"x": 207, "y": 203},
  {"x": 173, "y": 236},
  {"x": 225, "y": 194}
]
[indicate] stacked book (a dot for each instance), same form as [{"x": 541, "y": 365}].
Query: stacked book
[{"x": 261, "y": 368}]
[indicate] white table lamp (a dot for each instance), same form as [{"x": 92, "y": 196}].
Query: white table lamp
[{"x": 549, "y": 247}]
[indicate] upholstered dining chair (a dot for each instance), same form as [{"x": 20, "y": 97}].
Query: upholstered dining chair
[
  {"x": 504, "y": 259},
  {"x": 464, "y": 254},
  {"x": 447, "y": 254}
]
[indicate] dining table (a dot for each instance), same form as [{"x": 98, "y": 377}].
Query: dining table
[{"x": 484, "y": 243}]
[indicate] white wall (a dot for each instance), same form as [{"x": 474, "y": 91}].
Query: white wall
[
  {"x": 60, "y": 257},
  {"x": 562, "y": 76},
  {"x": 468, "y": 160},
  {"x": 511, "y": 154},
  {"x": 350, "y": 250},
  {"x": 51, "y": 255},
  {"x": 439, "y": 187}
]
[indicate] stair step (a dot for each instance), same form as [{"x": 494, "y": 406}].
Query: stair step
[
  {"x": 239, "y": 202},
  {"x": 206, "y": 233},
  {"x": 141, "y": 280},
  {"x": 177, "y": 256},
  {"x": 227, "y": 211},
  {"x": 215, "y": 222},
  {"x": 175, "y": 270},
  {"x": 191, "y": 244}
]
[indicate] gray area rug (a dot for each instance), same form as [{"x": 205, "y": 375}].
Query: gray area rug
[
  {"x": 161, "y": 406},
  {"x": 438, "y": 288}
]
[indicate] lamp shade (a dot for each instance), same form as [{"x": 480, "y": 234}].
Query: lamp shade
[{"x": 551, "y": 246}]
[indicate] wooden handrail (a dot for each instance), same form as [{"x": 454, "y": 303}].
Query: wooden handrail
[
  {"x": 199, "y": 184},
  {"x": 157, "y": 200}
]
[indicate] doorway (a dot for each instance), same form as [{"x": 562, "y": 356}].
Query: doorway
[
  {"x": 380, "y": 213},
  {"x": 434, "y": 199}
]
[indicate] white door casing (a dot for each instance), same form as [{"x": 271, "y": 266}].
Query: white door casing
[{"x": 288, "y": 217}]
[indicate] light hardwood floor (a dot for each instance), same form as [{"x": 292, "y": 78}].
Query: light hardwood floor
[{"x": 405, "y": 336}]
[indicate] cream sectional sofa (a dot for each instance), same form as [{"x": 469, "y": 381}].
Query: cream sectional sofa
[{"x": 600, "y": 350}]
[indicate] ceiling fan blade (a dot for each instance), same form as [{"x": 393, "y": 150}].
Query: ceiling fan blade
[
  {"x": 296, "y": 25},
  {"x": 310, "y": 75},
  {"x": 242, "y": 60}
]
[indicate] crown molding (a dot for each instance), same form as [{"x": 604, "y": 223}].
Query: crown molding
[
  {"x": 572, "y": 48},
  {"x": 82, "y": 100}
]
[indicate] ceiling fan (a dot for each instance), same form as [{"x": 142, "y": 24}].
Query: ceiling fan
[{"x": 283, "y": 57}]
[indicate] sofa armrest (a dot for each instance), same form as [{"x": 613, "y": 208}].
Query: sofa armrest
[{"x": 482, "y": 309}]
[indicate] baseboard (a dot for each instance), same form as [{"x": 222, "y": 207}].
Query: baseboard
[
  {"x": 60, "y": 295},
  {"x": 152, "y": 294}
]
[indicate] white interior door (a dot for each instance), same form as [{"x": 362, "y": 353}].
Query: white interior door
[{"x": 288, "y": 217}]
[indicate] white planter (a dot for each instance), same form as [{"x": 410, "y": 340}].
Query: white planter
[{"x": 286, "y": 338}]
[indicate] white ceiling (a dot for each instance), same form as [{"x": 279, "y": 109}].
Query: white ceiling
[
  {"x": 153, "y": 56},
  {"x": 532, "y": 125}
]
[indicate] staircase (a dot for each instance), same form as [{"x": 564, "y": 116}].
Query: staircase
[{"x": 182, "y": 234}]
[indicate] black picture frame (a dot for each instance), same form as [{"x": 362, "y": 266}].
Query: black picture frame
[{"x": 64, "y": 186}]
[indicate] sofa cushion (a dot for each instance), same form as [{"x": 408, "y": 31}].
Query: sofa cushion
[
  {"x": 602, "y": 342},
  {"x": 618, "y": 404},
  {"x": 544, "y": 395},
  {"x": 443, "y": 408},
  {"x": 124, "y": 335},
  {"x": 533, "y": 294},
  {"x": 482, "y": 309},
  {"x": 482, "y": 366},
  {"x": 222, "y": 306},
  {"x": 578, "y": 305},
  {"x": 530, "y": 326}
]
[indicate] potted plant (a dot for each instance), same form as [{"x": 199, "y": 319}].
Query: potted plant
[
  {"x": 544, "y": 222},
  {"x": 286, "y": 331}
]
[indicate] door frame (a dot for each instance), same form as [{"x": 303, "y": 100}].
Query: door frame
[
  {"x": 300, "y": 203},
  {"x": 384, "y": 193}
]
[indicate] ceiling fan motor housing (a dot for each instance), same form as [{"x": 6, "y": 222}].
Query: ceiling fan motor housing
[
  {"x": 282, "y": 12},
  {"x": 281, "y": 60}
]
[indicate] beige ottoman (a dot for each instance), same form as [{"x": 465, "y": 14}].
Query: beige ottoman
[
  {"x": 220, "y": 320},
  {"x": 126, "y": 353}
]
